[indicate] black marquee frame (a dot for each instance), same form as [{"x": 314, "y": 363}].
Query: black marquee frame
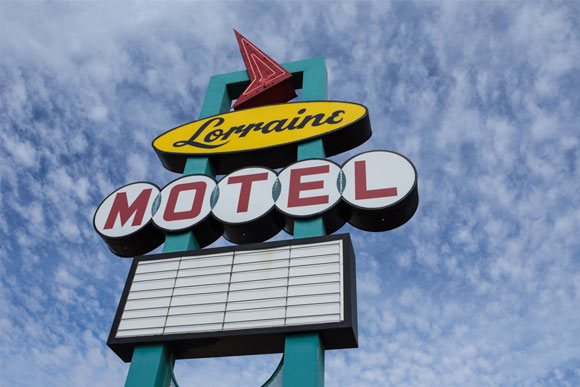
[{"x": 336, "y": 335}]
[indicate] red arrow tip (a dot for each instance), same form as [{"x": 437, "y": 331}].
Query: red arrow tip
[{"x": 269, "y": 82}]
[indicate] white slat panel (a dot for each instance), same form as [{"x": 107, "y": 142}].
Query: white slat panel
[
  {"x": 314, "y": 279},
  {"x": 315, "y": 299},
  {"x": 244, "y": 295},
  {"x": 206, "y": 260},
  {"x": 266, "y": 265},
  {"x": 242, "y": 305},
  {"x": 140, "y": 323},
  {"x": 313, "y": 310},
  {"x": 139, "y": 332},
  {"x": 147, "y": 303},
  {"x": 200, "y": 289},
  {"x": 258, "y": 284},
  {"x": 207, "y": 280},
  {"x": 195, "y": 319},
  {"x": 255, "y": 314},
  {"x": 155, "y": 312},
  {"x": 262, "y": 255},
  {"x": 204, "y": 308},
  {"x": 260, "y": 275},
  {"x": 196, "y": 299},
  {"x": 315, "y": 269},
  {"x": 205, "y": 271},
  {"x": 193, "y": 328},
  {"x": 134, "y": 295},
  {"x": 316, "y": 249},
  {"x": 150, "y": 285},
  {"x": 155, "y": 261},
  {"x": 154, "y": 266},
  {"x": 254, "y": 324},
  {"x": 314, "y": 260},
  {"x": 268, "y": 288},
  {"x": 155, "y": 275},
  {"x": 304, "y": 290}
]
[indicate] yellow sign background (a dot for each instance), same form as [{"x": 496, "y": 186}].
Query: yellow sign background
[{"x": 260, "y": 127}]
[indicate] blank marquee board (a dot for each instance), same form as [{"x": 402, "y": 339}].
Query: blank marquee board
[{"x": 239, "y": 300}]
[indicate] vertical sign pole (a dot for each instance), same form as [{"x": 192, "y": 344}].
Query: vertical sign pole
[
  {"x": 304, "y": 353},
  {"x": 152, "y": 365}
]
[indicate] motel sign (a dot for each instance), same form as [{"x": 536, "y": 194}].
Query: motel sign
[{"x": 297, "y": 296}]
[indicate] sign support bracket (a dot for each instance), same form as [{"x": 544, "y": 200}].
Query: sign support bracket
[{"x": 304, "y": 354}]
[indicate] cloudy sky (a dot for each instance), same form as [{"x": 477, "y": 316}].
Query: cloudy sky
[{"x": 481, "y": 287}]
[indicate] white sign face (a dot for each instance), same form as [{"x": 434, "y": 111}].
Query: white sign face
[
  {"x": 308, "y": 187},
  {"x": 126, "y": 211},
  {"x": 377, "y": 179},
  {"x": 183, "y": 203},
  {"x": 275, "y": 287},
  {"x": 245, "y": 195}
]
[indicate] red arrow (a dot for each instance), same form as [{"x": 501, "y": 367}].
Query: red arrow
[{"x": 270, "y": 83}]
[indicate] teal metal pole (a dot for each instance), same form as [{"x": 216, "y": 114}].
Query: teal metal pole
[
  {"x": 152, "y": 365},
  {"x": 303, "y": 361},
  {"x": 304, "y": 353}
]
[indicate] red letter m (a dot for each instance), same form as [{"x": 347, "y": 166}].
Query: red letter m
[{"x": 121, "y": 208}]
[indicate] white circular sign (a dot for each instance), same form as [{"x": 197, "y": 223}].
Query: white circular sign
[
  {"x": 125, "y": 211},
  {"x": 183, "y": 203},
  {"x": 245, "y": 195},
  {"x": 377, "y": 179},
  {"x": 308, "y": 188}
]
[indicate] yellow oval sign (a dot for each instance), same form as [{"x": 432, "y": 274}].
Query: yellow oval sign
[{"x": 342, "y": 126}]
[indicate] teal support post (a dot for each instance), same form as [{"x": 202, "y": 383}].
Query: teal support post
[
  {"x": 304, "y": 353},
  {"x": 152, "y": 365},
  {"x": 315, "y": 83},
  {"x": 304, "y": 228},
  {"x": 314, "y": 88},
  {"x": 186, "y": 241},
  {"x": 315, "y": 80},
  {"x": 180, "y": 242},
  {"x": 303, "y": 361}
]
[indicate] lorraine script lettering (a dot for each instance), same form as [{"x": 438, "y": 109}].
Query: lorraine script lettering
[{"x": 213, "y": 134}]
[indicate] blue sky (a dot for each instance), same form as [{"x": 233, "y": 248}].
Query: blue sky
[{"x": 481, "y": 287}]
